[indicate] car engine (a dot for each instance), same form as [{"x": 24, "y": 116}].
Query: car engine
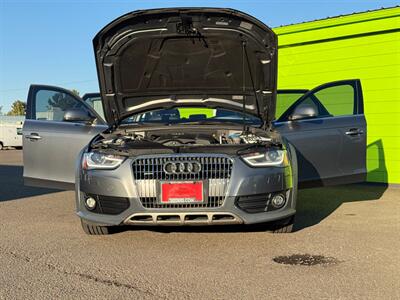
[{"x": 182, "y": 140}]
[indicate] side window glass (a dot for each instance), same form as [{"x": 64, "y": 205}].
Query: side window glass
[
  {"x": 284, "y": 101},
  {"x": 51, "y": 105},
  {"x": 309, "y": 102},
  {"x": 96, "y": 104},
  {"x": 336, "y": 100}
]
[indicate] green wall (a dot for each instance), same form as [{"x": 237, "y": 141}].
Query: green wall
[{"x": 365, "y": 46}]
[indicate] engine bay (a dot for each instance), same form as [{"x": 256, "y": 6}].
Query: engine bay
[{"x": 174, "y": 140}]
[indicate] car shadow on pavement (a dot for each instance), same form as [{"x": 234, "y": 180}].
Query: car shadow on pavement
[
  {"x": 12, "y": 185},
  {"x": 313, "y": 206}
]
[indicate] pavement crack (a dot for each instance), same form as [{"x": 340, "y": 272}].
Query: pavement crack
[
  {"x": 19, "y": 257},
  {"x": 108, "y": 282}
]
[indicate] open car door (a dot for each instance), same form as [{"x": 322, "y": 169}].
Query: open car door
[
  {"x": 327, "y": 127},
  {"x": 53, "y": 137}
]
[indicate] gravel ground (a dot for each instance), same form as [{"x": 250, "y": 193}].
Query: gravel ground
[{"x": 345, "y": 245}]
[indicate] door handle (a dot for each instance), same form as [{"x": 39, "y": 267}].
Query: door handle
[
  {"x": 33, "y": 136},
  {"x": 354, "y": 131}
]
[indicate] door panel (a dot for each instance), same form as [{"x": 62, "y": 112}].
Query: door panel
[
  {"x": 331, "y": 147},
  {"x": 51, "y": 145}
]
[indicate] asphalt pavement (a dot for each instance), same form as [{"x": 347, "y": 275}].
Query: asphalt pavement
[{"x": 346, "y": 245}]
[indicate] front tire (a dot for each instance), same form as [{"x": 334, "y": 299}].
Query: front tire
[{"x": 94, "y": 229}]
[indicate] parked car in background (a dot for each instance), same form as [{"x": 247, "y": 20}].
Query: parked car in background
[{"x": 189, "y": 134}]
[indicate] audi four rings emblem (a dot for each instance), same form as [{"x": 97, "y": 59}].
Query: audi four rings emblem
[{"x": 182, "y": 167}]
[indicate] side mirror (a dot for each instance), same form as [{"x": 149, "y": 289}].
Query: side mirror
[
  {"x": 303, "y": 112},
  {"x": 78, "y": 115}
]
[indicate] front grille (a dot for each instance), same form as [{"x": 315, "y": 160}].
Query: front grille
[{"x": 215, "y": 171}]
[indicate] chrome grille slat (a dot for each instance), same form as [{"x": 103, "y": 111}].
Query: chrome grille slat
[{"x": 215, "y": 170}]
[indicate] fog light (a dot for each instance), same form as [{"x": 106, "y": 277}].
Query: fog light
[
  {"x": 278, "y": 201},
  {"x": 90, "y": 203}
]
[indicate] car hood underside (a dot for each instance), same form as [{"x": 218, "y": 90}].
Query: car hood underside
[{"x": 203, "y": 57}]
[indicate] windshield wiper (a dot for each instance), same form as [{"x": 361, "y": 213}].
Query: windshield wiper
[
  {"x": 209, "y": 122},
  {"x": 146, "y": 123}
]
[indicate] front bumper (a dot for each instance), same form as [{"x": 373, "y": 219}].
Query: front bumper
[{"x": 244, "y": 181}]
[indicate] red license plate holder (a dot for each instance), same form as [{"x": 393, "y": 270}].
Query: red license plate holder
[{"x": 182, "y": 192}]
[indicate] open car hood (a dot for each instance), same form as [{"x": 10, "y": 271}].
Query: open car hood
[{"x": 206, "y": 57}]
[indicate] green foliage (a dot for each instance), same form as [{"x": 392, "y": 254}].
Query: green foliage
[
  {"x": 75, "y": 92},
  {"x": 17, "y": 108}
]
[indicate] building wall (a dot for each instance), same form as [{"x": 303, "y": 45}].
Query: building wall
[{"x": 365, "y": 46}]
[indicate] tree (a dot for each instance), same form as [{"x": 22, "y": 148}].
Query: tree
[
  {"x": 61, "y": 101},
  {"x": 17, "y": 108},
  {"x": 1, "y": 108}
]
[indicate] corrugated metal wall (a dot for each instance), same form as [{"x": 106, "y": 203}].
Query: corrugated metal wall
[{"x": 365, "y": 46}]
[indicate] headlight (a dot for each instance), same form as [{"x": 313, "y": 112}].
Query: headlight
[
  {"x": 270, "y": 157},
  {"x": 96, "y": 160}
]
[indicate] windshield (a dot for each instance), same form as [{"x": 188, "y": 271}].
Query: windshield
[
  {"x": 193, "y": 115},
  {"x": 285, "y": 98}
]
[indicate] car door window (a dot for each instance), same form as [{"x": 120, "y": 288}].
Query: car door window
[
  {"x": 336, "y": 100},
  {"x": 330, "y": 101},
  {"x": 285, "y": 99},
  {"x": 50, "y": 105},
  {"x": 311, "y": 101},
  {"x": 94, "y": 101}
]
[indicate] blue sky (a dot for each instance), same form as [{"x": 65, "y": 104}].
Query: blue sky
[{"x": 50, "y": 42}]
